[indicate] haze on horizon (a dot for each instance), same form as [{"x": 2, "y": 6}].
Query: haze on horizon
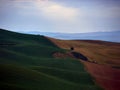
[{"x": 65, "y": 16}]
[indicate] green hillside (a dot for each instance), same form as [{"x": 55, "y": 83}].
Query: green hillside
[{"x": 27, "y": 63}]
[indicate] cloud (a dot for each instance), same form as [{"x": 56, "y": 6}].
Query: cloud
[
  {"x": 59, "y": 12},
  {"x": 64, "y": 16},
  {"x": 106, "y": 12},
  {"x": 48, "y": 9}
]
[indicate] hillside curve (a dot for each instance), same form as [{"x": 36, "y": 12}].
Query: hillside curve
[{"x": 102, "y": 66}]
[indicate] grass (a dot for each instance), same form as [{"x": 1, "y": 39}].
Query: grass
[{"x": 26, "y": 63}]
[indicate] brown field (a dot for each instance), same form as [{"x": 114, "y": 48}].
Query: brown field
[
  {"x": 96, "y": 51},
  {"x": 103, "y": 60},
  {"x": 106, "y": 76}
]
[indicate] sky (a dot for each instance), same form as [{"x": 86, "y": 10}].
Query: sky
[{"x": 64, "y": 16}]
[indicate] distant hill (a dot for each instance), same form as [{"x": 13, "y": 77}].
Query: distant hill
[{"x": 112, "y": 36}]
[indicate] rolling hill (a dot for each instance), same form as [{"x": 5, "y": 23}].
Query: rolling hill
[
  {"x": 103, "y": 60},
  {"x": 27, "y": 63}
]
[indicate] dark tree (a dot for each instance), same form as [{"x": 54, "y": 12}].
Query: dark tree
[{"x": 72, "y": 48}]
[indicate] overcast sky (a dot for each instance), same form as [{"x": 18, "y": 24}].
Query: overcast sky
[{"x": 66, "y": 16}]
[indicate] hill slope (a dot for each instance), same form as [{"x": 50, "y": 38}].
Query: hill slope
[
  {"x": 27, "y": 63},
  {"x": 101, "y": 52},
  {"x": 103, "y": 60}
]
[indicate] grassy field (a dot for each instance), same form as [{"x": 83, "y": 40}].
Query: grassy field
[{"x": 27, "y": 63}]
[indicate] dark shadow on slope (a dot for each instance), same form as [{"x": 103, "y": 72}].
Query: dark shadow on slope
[{"x": 79, "y": 56}]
